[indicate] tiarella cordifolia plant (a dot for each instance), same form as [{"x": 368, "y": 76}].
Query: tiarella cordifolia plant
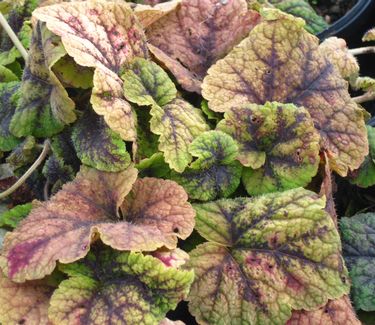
[{"x": 131, "y": 125}]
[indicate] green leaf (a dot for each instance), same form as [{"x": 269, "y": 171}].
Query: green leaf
[
  {"x": 265, "y": 256},
  {"x": 24, "y": 154},
  {"x": 155, "y": 166},
  {"x": 97, "y": 145},
  {"x": 147, "y": 142},
  {"x": 7, "y": 108},
  {"x": 145, "y": 83},
  {"x": 365, "y": 175},
  {"x": 13, "y": 216},
  {"x": 7, "y": 75},
  {"x": 277, "y": 141},
  {"x": 301, "y": 8},
  {"x": 123, "y": 288},
  {"x": 44, "y": 107},
  {"x": 359, "y": 252},
  {"x": 216, "y": 173},
  {"x": 178, "y": 124}
]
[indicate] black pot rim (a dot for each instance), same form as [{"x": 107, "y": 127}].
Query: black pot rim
[{"x": 351, "y": 16}]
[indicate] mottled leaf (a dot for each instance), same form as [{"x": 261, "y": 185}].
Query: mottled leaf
[
  {"x": 178, "y": 124},
  {"x": 44, "y": 107},
  {"x": 7, "y": 75},
  {"x": 8, "y": 98},
  {"x": 118, "y": 288},
  {"x": 336, "y": 52},
  {"x": 265, "y": 256},
  {"x": 197, "y": 33},
  {"x": 359, "y": 252},
  {"x": 277, "y": 141},
  {"x": 215, "y": 173},
  {"x": 145, "y": 83},
  {"x": 154, "y": 214},
  {"x": 97, "y": 145},
  {"x": 365, "y": 175},
  {"x": 369, "y": 35},
  {"x": 12, "y": 217},
  {"x": 365, "y": 84},
  {"x": 110, "y": 38},
  {"x": 148, "y": 14},
  {"x": 147, "y": 142},
  {"x": 24, "y": 154},
  {"x": 301, "y": 8},
  {"x": 24, "y": 303},
  {"x": 280, "y": 61},
  {"x": 335, "y": 312},
  {"x": 57, "y": 173}
]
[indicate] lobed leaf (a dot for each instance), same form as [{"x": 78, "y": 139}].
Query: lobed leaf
[
  {"x": 24, "y": 303},
  {"x": 97, "y": 145},
  {"x": 265, "y": 256},
  {"x": 336, "y": 51},
  {"x": 215, "y": 173},
  {"x": 280, "y": 61},
  {"x": 359, "y": 252},
  {"x": 178, "y": 124},
  {"x": 155, "y": 214},
  {"x": 277, "y": 141},
  {"x": 335, "y": 312},
  {"x": 192, "y": 37},
  {"x": 111, "y": 37},
  {"x": 44, "y": 107},
  {"x": 123, "y": 288},
  {"x": 145, "y": 83}
]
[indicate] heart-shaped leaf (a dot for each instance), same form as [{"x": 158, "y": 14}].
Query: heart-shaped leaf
[
  {"x": 280, "y": 61},
  {"x": 215, "y": 173},
  {"x": 178, "y": 124},
  {"x": 197, "y": 33},
  {"x": 279, "y": 143},
  {"x": 154, "y": 214},
  {"x": 359, "y": 252},
  {"x": 265, "y": 256},
  {"x": 123, "y": 288},
  {"x": 111, "y": 37}
]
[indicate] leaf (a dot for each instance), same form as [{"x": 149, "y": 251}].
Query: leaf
[
  {"x": 359, "y": 252},
  {"x": 97, "y": 145},
  {"x": 147, "y": 14},
  {"x": 118, "y": 288},
  {"x": 24, "y": 154},
  {"x": 265, "y": 256},
  {"x": 57, "y": 173},
  {"x": 111, "y": 37},
  {"x": 147, "y": 142},
  {"x": 13, "y": 216},
  {"x": 7, "y": 108},
  {"x": 178, "y": 124},
  {"x": 145, "y": 83},
  {"x": 365, "y": 84},
  {"x": 301, "y": 8},
  {"x": 280, "y": 61},
  {"x": 197, "y": 33},
  {"x": 279, "y": 143},
  {"x": 44, "y": 107},
  {"x": 335, "y": 312},
  {"x": 155, "y": 214},
  {"x": 369, "y": 35},
  {"x": 337, "y": 53},
  {"x": 24, "y": 303},
  {"x": 365, "y": 175},
  {"x": 155, "y": 166},
  {"x": 7, "y": 75},
  {"x": 215, "y": 173}
]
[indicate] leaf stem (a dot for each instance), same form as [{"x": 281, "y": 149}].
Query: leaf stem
[
  {"x": 28, "y": 173},
  {"x": 369, "y": 96},
  {"x": 12, "y": 35},
  {"x": 362, "y": 50}
]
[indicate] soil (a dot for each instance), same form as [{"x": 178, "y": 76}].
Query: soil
[{"x": 332, "y": 10}]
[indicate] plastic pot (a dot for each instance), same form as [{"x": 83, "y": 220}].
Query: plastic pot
[{"x": 354, "y": 23}]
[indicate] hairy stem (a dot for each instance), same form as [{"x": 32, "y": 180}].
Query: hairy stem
[
  {"x": 12, "y": 35},
  {"x": 362, "y": 50},
  {"x": 369, "y": 96},
  {"x": 28, "y": 173}
]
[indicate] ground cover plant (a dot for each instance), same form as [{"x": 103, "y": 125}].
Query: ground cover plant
[{"x": 186, "y": 150}]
